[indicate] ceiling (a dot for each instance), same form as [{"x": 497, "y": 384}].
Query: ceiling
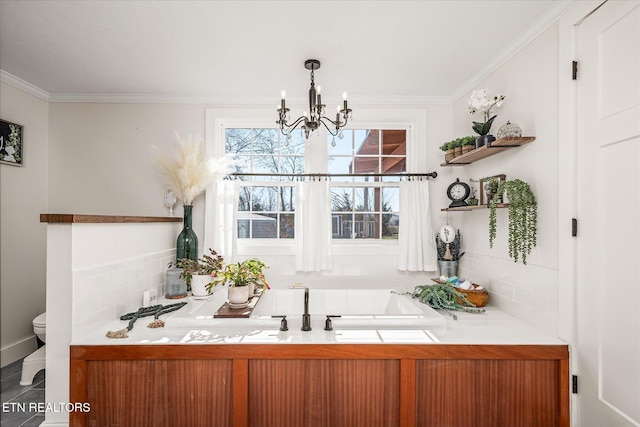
[{"x": 251, "y": 50}]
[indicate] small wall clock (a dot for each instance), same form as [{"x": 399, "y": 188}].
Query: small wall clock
[{"x": 458, "y": 192}]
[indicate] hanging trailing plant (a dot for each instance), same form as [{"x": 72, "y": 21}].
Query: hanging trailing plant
[{"x": 523, "y": 218}]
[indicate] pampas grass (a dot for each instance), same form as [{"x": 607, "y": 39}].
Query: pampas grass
[{"x": 189, "y": 173}]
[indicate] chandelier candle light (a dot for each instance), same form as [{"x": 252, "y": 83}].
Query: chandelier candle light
[{"x": 316, "y": 116}]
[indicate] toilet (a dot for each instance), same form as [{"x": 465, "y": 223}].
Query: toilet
[{"x": 34, "y": 363}]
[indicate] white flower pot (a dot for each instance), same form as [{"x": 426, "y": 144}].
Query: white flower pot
[
  {"x": 238, "y": 294},
  {"x": 199, "y": 284}
]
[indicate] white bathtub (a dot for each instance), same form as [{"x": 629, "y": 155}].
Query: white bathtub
[
  {"x": 373, "y": 308},
  {"x": 358, "y": 308},
  {"x": 345, "y": 302}
]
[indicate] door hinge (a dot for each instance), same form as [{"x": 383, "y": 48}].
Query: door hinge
[
  {"x": 574, "y": 384},
  {"x": 574, "y": 227},
  {"x": 574, "y": 70}
]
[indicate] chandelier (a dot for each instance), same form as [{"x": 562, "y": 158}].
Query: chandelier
[{"x": 311, "y": 121}]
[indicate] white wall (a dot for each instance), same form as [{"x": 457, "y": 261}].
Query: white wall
[
  {"x": 23, "y": 197},
  {"x": 529, "y": 80},
  {"x": 101, "y": 160}
]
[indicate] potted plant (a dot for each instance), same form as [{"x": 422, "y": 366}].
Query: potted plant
[
  {"x": 448, "y": 151},
  {"x": 480, "y": 102},
  {"x": 448, "y": 254},
  {"x": 523, "y": 218},
  {"x": 457, "y": 147},
  {"x": 468, "y": 144},
  {"x": 473, "y": 200},
  {"x": 242, "y": 277},
  {"x": 198, "y": 273}
]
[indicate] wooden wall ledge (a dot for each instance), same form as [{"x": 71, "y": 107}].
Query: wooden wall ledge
[{"x": 104, "y": 219}]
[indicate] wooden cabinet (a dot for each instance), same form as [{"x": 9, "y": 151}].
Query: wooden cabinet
[{"x": 315, "y": 385}]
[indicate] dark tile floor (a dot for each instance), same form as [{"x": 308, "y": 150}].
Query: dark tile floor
[{"x": 16, "y": 397}]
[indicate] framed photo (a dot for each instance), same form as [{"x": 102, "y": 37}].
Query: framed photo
[
  {"x": 486, "y": 187},
  {"x": 11, "y": 143}
]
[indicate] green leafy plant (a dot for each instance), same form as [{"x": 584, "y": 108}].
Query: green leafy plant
[
  {"x": 459, "y": 142},
  {"x": 483, "y": 128},
  {"x": 445, "y": 297},
  {"x": 208, "y": 264},
  {"x": 473, "y": 200},
  {"x": 523, "y": 218},
  {"x": 241, "y": 274}
]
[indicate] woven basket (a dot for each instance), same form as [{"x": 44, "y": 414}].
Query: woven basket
[{"x": 477, "y": 297}]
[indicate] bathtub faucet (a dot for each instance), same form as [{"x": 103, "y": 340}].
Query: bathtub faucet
[{"x": 306, "y": 317}]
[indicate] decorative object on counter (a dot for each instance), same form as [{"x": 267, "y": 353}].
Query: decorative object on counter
[
  {"x": 176, "y": 286},
  {"x": 187, "y": 242},
  {"x": 443, "y": 296},
  {"x": 169, "y": 200},
  {"x": 523, "y": 218},
  {"x": 229, "y": 310},
  {"x": 246, "y": 274},
  {"x": 480, "y": 102},
  {"x": 458, "y": 192},
  {"x": 199, "y": 273},
  {"x": 473, "y": 200},
  {"x": 509, "y": 130},
  {"x": 476, "y": 294},
  {"x": 11, "y": 143},
  {"x": 155, "y": 310},
  {"x": 187, "y": 176},
  {"x": 489, "y": 188},
  {"x": 448, "y": 243}
]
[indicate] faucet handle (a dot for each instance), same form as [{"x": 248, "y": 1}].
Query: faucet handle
[
  {"x": 328, "y": 325},
  {"x": 283, "y": 323}
]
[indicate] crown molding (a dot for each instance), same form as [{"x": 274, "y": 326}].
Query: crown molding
[
  {"x": 231, "y": 100},
  {"x": 533, "y": 31},
  {"x": 17, "y": 82}
]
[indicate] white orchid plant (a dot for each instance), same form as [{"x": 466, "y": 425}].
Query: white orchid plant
[
  {"x": 189, "y": 173},
  {"x": 480, "y": 102}
]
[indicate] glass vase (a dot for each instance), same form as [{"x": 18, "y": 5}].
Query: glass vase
[{"x": 187, "y": 243}]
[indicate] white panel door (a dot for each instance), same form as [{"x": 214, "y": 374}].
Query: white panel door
[{"x": 608, "y": 250}]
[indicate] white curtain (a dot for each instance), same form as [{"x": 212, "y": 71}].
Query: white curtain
[
  {"x": 313, "y": 226},
  {"x": 220, "y": 229},
  {"x": 416, "y": 245}
]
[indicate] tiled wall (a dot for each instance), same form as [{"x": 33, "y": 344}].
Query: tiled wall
[
  {"x": 102, "y": 294},
  {"x": 529, "y": 293}
]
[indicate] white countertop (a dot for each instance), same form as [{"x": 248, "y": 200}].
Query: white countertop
[{"x": 492, "y": 327}]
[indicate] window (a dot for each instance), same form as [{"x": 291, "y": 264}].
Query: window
[
  {"x": 366, "y": 207},
  {"x": 266, "y": 203},
  {"x": 363, "y": 207}
]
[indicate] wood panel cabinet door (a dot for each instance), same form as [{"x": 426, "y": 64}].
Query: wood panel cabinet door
[{"x": 318, "y": 393}]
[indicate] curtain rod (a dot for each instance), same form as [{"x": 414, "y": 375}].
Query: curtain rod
[{"x": 330, "y": 175}]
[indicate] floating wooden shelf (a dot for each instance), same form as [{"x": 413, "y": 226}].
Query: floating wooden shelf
[
  {"x": 496, "y": 147},
  {"x": 473, "y": 208}
]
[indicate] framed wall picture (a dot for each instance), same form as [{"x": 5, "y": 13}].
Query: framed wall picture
[
  {"x": 11, "y": 148},
  {"x": 489, "y": 185}
]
